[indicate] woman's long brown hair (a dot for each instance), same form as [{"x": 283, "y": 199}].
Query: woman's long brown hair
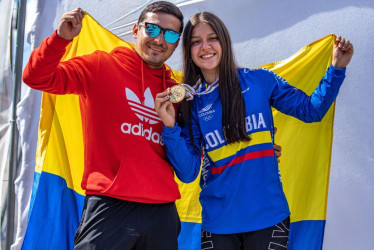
[{"x": 233, "y": 109}]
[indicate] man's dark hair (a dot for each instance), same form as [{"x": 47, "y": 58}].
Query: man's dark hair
[{"x": 163, "y": 7}]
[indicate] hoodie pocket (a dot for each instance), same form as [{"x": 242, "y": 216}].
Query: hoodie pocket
[{"x": 142, "y": 180}]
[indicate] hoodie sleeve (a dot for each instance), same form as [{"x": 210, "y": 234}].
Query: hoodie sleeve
[
  {"x": 293, "y": 101},
  {"x": 184, "y": 154},
  {"x": 45, "y": 72}
]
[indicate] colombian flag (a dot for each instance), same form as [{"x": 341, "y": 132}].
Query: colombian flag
[{"x": 57, "y": 198}]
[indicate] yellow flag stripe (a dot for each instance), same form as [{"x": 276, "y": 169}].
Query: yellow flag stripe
[{"x": 232, "y": 149}]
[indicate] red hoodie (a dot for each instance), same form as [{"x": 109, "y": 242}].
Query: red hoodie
[{"x": 124, "y": 153}]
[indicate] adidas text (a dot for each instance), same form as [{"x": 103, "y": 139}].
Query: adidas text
[{"x": 128, "y": 128}]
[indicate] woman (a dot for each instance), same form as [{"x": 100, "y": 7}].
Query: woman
[{"x": 230, "y": 119}]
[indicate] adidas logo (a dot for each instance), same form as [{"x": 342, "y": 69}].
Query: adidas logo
[{"x": 144, "y": 112}]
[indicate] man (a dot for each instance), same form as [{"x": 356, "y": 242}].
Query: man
[{"x": 130, "y": 191}]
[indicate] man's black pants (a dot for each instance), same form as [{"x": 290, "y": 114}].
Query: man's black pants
[{"x": 109, "y": 223}]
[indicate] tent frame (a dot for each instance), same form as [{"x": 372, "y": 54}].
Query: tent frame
[{"x": 13, "y": 157}]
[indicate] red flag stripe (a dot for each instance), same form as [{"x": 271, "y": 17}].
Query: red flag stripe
[{"x": 240, "y": 159}]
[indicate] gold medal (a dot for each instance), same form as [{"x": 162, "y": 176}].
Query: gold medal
[{"x": 177, "y": 93}]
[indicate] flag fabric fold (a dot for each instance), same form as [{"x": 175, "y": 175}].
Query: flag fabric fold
[{"x": 57, "y": 197}]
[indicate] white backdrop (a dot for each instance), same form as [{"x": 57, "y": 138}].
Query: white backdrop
[{"x": 264, "y": 31}]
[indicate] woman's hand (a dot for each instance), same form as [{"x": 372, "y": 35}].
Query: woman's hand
[
  {"x": 342, "y": 52},
  {"x": 165, "y": 108}
]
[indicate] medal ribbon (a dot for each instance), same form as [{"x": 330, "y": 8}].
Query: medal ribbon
[{"x": 195, "y": 89}]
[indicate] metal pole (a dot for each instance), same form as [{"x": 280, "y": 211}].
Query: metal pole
[{"x": 14, "y": 132}]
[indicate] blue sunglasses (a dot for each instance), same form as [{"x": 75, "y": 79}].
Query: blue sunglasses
[{"x": 154, "y": 30}]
